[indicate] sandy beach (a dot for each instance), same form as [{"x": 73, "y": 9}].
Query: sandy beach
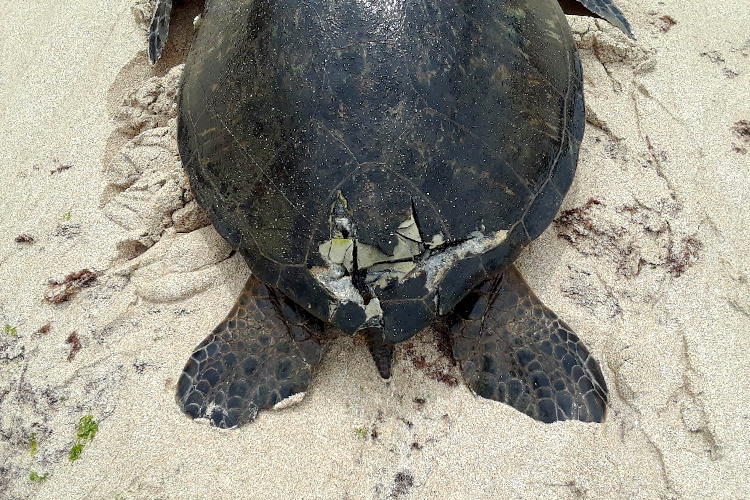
[{"x": 109, "y": 277}]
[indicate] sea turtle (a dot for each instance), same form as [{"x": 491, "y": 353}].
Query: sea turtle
[{"x": 379, "y": 164}]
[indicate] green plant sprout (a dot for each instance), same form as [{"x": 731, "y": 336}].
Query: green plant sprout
[
  {"x": 33, "y": 476},
  {"x": 87, "y": 428},
  {"x": 11, "y": 330},
  {"x": 32, "y": 444}
]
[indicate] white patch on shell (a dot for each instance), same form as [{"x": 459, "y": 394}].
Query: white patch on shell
[
  {"x": 338, "y": 283},
  {"x": 373, "y": 309},
  {"x": 292, "y": 400},
  {"x": 437, "y": 265},
  {"x": 437, "y": 240},
  {"x": 338, "y": 253}
]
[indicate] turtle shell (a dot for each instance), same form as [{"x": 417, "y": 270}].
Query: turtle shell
[{"x": 375, "y": 160}]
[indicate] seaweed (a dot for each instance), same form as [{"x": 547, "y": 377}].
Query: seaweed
[
  {"x": 24, "y": 238},
  {"x": 75, "y": 345},
  {"x": 87, "y": 429},
  {"x": 36, "y": 478},
  {"x": 71, "y": 285}
]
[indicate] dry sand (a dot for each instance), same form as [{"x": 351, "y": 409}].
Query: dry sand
[{"x": 652, "y": 273}]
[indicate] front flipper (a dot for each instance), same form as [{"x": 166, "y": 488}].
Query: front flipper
[
  {"x": 159, "y": 30},
  {"x": 605, "y": 9},
  {"x": 259, "y": 355},
  {"x": 515, "y": 350}
]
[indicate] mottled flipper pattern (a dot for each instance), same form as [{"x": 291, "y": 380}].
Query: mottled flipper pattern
[
  {"x": 515, "y": 350},
  {"x": 259, "y": 355},
  {"x": 159, "y": 30}
]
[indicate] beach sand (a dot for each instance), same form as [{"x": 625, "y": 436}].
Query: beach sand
[{"x": 647, "y": 261}]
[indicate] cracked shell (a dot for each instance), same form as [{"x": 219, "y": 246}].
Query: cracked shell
[{"x": 422, "y": 144}]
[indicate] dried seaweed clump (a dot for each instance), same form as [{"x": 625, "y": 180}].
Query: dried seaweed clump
[
  {"x": 75, "y": 345},
  {"x": 741, "y": 131},
  {"x": 632, "y": 236},
  {"x": 667, "y": 22},
  {"x": 24, "y": 238},
  {"x": 439, "y": 369},
  {"x": 681, "y": 256},
  {"x": 67, "y": 288}
]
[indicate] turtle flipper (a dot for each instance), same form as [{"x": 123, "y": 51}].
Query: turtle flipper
[
  {"x": 159, "y": 30},
  {"x": 515, "y": 350},
  {"x": 259, "y": 355},
  {"x": 606, "y": 9}
]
